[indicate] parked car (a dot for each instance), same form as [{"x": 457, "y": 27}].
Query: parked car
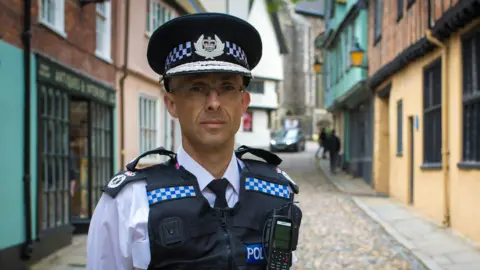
[{"x": 288, "y": 140}]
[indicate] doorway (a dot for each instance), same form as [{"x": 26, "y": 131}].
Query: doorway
[
  {"x": 79, "y": 146},
  {"x": 411, "y": 129}
]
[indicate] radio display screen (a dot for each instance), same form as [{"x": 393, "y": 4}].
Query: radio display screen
[{"x": 283, "y": 235}]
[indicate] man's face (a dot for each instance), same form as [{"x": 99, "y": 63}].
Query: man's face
[{"x": 208, "y": 106}]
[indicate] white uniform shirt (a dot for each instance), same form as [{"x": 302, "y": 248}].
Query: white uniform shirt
[{"x": 118, "y": 233}]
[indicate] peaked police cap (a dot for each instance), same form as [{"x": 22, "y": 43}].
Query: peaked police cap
[{"x": 204, "y": 42}]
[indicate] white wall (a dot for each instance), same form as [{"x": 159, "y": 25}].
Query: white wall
[
  {"x": 260, "y": 135},
  {"x": 271, "y": 64},
  {"x": 237, "y": 8},
  {"x": 269, "y": 97}
]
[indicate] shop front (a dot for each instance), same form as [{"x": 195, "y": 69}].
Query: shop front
[{"x": 75, "y": 147}]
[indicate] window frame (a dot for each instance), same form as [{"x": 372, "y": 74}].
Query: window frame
[
  {"x": 58, "y": 26},
  {"x": 377, "y": 21},
  {"x": 400, "y": 128},
  {"x": 261, "y": 88},
  {"x": 400, "y": 7},
  {"x": 157, "y": 129},
  {"x": 470, "y": 97},
  {"x": 167, "y": 13},
  {"x": 410, "y": 3},
  {"x": 106, "y": 52},
  {"x": 432, "y": 147}
]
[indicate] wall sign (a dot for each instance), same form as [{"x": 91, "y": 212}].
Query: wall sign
[{"x": 63, "y": 77}]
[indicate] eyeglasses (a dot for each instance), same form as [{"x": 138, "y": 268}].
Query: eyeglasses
[{"x": 224, "y": 91}]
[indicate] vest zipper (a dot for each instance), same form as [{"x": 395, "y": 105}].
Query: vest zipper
[{"x": 227, "y": 234}]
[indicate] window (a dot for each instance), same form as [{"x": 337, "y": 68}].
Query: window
[
  {"x": 348, "y": 46},
  {"x": 103, "y": 37},
  {"x": 256, "y": 87},
  {"x": 399, "y": 127},
  {"x": 248, "y": 121},
  {"x": 431, "y": 12},
  {"x": 432, "y": 113},
  {"x": 52, "y": 15},
  {"x": 158, "y": 14},
  {"x": 378, "y": 20},
  {"x": 149, "y": 124},
  {"x": 399, "y": 9},
  {"x": 471, "y": 98},
  {"x": 410, "y": 3}
]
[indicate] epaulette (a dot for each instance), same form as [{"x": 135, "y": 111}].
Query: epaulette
[
  {"x": 132, "y": 174},
  {"x": 268, "y": 156},
  {"x": 120, "y": 180}
]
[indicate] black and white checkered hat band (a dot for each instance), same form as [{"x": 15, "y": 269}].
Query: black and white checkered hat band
[
  {"x": 184, "y": 54},
  {"x": 237, "y": 52},
  {"x": 178, "y": 53}
]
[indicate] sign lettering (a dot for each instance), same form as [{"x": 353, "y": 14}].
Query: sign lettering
[
  {"x": 255, "y": 253},
  {"x": 62, "y": 77}
]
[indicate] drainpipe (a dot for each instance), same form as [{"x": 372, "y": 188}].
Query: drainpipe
[
  {"x": 122, "y": 83},
  {"x": 27, "y": 248},
  {"x": 445, "y": 127}
]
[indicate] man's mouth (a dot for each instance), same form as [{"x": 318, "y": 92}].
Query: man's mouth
[{"x": 212, "y": 123}]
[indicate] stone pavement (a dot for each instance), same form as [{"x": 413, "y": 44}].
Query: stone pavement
[
  {"x": 437, "y": 247},
  {"x": 73, "y": 257}
]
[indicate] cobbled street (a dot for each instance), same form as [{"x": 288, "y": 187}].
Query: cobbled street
[{"x": 335, "y": 233}]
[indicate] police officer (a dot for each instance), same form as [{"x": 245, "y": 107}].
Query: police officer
[{"x": 206, "y": 208}]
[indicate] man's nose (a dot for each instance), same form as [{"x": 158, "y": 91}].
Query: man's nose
[{"x": 213, "y": 100}]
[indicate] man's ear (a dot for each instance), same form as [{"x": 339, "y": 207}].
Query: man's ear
[
  {"x": 169, "y": 101},
  {"x": 245, "y": 100}
]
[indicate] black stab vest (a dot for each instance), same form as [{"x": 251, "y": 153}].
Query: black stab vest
[{"x": 186, "y": 233}]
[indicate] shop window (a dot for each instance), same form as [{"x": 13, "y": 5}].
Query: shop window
[
  {"x": 56, "y": 165},
  {"x": 399, "y": 127},
  {"x": 248, "y": 121},
  {"x": 102, "y": 149},
  {"x": 103, "y": 30},
  {"x": 149, "y": 115},
  {"x": 471, "y": 98},
  {"x": 157, "y": 14},
  {"x": 52, "y": 14},
  {"x": 432, "y": 113},
  {"x": 378, "y": 20}
]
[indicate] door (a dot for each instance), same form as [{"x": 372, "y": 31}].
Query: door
[
  {"x": 411, "y": 129},
  {"x": 79, "y": 152}
]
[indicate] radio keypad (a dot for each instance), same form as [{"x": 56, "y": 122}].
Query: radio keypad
[{"x": 280, "y": 260}]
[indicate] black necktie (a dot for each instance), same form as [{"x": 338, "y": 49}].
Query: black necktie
[{"x": 219, "y": 187}]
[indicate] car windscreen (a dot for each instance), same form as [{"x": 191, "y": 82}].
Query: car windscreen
[{"x": 291, "y": 134}]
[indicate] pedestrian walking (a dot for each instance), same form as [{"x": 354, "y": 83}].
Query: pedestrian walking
[
  {"x": 334, "y": 146},
  {"x": 322, "y": 137},
  {"x": 207, "y": 207}
]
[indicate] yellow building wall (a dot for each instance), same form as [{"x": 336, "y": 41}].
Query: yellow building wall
[
  {"x": 464, "y": 188},
  {"x": 407, "y": 85},
  {"x": 464, "y": 184}
]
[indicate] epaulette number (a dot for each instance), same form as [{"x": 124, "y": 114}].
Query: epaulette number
[{"x": 119, "y": 179}]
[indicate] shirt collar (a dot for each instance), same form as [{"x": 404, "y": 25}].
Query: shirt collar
[{"x": 203, "y": 176}]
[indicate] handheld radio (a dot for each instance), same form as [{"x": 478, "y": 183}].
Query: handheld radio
[{"x": 280, "y": 243}]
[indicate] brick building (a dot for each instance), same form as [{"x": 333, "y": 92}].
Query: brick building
[
  {"x": 424, "y": 68},
  {"x": 58, "y": 134}
]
